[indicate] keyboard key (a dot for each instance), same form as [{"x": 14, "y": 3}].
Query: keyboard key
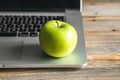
[
  {"x": 13, "y": 30},
  {"x": 23, "y": 34},
  {"x": 33, "y": 34},
  {"x": 38, "y": 29},
  {"x": 31, "y": 29},
  {"x": 23, "y": 30},
  {"x": 4, "y": 30},
  {"x": 12, "y": 34}
]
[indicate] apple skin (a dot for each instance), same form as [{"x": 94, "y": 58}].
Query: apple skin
[{"x": 57, "y": 38}]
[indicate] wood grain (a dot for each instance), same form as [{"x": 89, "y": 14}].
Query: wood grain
[
  {"x": 103, "y": 18},
  {"x": 102, "y": 43},
  {"x": 62, "y": 74},
  {"x": 101, "y": 9},
  {"x": 102, "y": 37},
  {"x": 101, "y": 0}
]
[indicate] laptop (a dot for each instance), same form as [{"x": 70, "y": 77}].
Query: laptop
[{"x": 20, "y": 23}]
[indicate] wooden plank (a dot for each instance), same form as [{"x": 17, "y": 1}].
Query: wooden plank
[
  {"x": 102, "y": 36},
  {"x": 101, "y": 9},
  {"x": 104, "y": 57},
  {"x": 61, "y": 74},
  {"x": 102, "y": 43},
  {"x": 101, "y": 26},
  {"x": 101, "y": 0},
  {"x": 103, "y": 18}
]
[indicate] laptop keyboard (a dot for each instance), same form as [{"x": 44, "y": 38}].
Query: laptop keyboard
[{"x": 24, "y": 26}]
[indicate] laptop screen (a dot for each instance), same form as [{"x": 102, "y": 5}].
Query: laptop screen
[{"x": 38, "y": 4}]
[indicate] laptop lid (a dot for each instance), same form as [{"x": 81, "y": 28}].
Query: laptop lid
[{"x": 39, "y": 5}]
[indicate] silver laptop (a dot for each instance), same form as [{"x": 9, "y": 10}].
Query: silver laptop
[{"x": 20, "y": 23}]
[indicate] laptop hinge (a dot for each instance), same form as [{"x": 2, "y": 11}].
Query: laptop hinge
[
  {"x": 72, "y": 10},
  {"x": 31, "y": 10}
]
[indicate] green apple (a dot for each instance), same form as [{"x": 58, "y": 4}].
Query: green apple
[{"x": 57, "y": 38}]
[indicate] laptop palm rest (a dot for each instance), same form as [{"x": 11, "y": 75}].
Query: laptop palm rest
[{"x": 10, "y": 50}]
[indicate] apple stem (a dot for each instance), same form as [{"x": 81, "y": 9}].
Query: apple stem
[{"x": 58, "y": 25}]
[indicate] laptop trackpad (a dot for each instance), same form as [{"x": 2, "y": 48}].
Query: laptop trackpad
[{"x": 10, "y": 50}]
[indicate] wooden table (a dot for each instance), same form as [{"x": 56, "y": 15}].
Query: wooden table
[{"x": 102, "y": 34}]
